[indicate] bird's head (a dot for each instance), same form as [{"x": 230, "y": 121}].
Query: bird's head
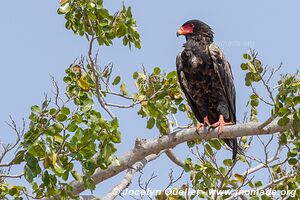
[{"x": 196, "y": 29}]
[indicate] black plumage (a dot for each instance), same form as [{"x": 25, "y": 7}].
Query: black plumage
[{"x": 206, "y": 79}]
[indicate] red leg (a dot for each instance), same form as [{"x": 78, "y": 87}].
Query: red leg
[
  {"x": 205, "y": 123},
  {"x": 221, "y": 123}
]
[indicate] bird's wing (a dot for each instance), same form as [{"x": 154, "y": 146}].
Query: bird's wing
[
  {"x": 223, "y": 69},
  {"x": 183, "y": 83}
]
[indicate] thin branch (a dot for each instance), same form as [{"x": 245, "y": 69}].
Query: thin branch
[
  {"x": 266, "y": 123},
  {"x": 172, "y": 180},
  {"x": 260, "y": 98},
  {"x": 9, "y": 147},
  {"x": 100, "y": 96},
  {"x": 117, "y": 94},
  {"x": 11, "y": 176},
  {"x": 263, "y": 165},
  {"x": 122, "y": 106},
  {"x": 265, "y": 83}
]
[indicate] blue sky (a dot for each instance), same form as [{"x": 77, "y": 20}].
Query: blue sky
[{"x": 35, "y": 44}]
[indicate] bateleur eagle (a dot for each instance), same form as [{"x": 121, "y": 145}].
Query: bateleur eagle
[{"x": 206, "y": 79}]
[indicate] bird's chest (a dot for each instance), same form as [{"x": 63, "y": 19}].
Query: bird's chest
[
  {"x": 197, "y": 58},
  {"x": 204, "y": 83}
]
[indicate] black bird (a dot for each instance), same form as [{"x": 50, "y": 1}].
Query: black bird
[{"x": 206, "y": 79}]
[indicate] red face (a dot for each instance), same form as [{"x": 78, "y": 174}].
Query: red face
[{"x": 186, "y": 29}]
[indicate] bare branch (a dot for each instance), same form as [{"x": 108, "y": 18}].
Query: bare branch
[
  {"x": 122, "y": 106},
  {"x": 172, "y": 180},
  {"x": 11, "y": 176},
  {"x": 9, "y": 147},
  {"x": 263, "y": 165},
  {"x": 117, "y": 94}
]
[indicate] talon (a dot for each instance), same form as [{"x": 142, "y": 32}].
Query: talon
[
  {"x": 210, "y": 128},
  {"x": 200, "y": 125},
  {"x": 204, "y": 124},
  {"x": 221, "y": 123},
  {"x": 206, "y": 121}
]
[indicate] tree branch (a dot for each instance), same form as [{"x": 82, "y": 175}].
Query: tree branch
[
  {"x": 268, "y": 121},
  {"x": 174, "y": 158},
  {"x": 11, "y": 176},
  {"x": 128, "y": 177},
  {"x": 154, "y": 146},
  {"x": 97, "y": 83},
  {"x": 271, "y": 184}
]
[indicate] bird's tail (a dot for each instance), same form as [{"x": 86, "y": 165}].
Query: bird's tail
[{"x": 236, "y": 149}]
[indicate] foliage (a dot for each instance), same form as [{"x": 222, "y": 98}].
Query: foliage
[{"x": 90, "y": 18}]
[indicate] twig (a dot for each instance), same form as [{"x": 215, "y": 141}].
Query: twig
[
  {"x": 172, "y": 180},
  {"x": 11, "y": 176}
]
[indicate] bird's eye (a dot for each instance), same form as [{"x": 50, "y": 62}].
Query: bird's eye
[{"x": 191, "y": 25}]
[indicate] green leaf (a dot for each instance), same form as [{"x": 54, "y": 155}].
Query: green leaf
[
  {"x": 228, "y": 162},
  {"x": 58, "y": 127},
  {"x": 76, "y": 176},
  {"x": 293, "y": 161},
  {"x": 135, "y": 75},
  {"x": 150, "y": 123},
  {"x": 182, "y": 107},
  {"x": 115, "y": 123},
  {"x": 19, "y": 157},
  {"x": 91, "y": 5},
  {"x": 258, "y": 184},
  {"x": 209, "y": 149},
  {"x": 244, "y": 66},
  {"x": 191, "y": 144},
  {"x": 72, "y": 126},
  {"x": 13, "y": 191},
  {"x": 254, "y": 102},
  {"x": 65, "y": 111},
  {"x": 28, "y": 173},
  {"x": 35, "y": 109},
  {"x": 156, "y": 70},
  {"x": 123, "y": 89},
  {"x": 247, "y": 56},
  {"x": 215, "y": 144},
  {"x": 297, "y": 100},
  {"x": 283, "y": 121},
  {"x": 188, "y": 165},
  {"x": 65, "y": 8},
  {"x": 61, "y": 117},
  {"x": 171, "y": 75},
  {"x": 52, "y": 111},
  {"x": 58, "y": 169},
  {"x": 116, "y": 80}
]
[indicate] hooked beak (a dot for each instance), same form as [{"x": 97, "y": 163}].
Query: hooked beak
[
  {"x": 184, "y": 30},
  {"x": 180, "y": 32}
]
